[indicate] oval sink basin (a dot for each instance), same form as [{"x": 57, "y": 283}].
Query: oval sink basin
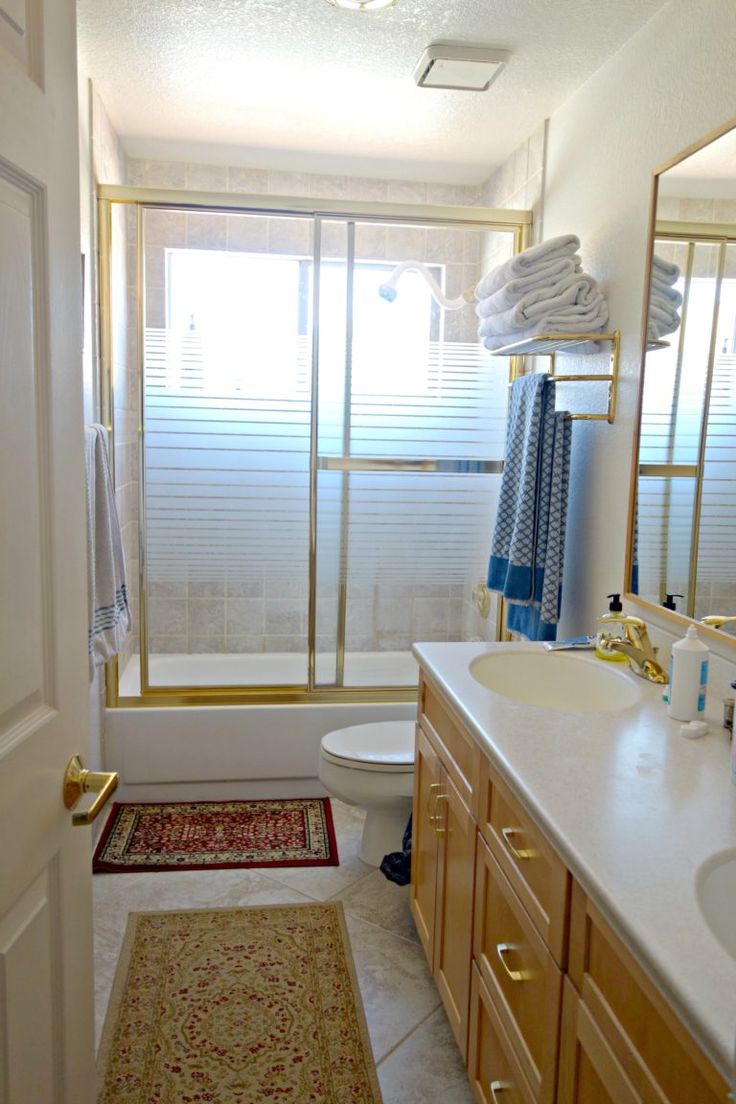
[
  {"x": 554, "y": 681},
  {"x": 716, "y": 891}
]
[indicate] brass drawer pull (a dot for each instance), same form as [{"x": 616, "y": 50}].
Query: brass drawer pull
[
  {"x": 516, "y": 975},
  {"x": 497, "y": 1088},
  {"x": 522, "y": 854}
]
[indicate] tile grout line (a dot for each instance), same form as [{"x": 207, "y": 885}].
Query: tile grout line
[
  {"x": 373, "y": 924},
  {"x": 408, "y": 1035}
]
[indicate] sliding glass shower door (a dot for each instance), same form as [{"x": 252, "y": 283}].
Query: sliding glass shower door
[{"x": 319, "y": 466}]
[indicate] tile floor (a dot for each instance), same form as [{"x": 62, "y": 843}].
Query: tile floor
[{"x": 415, "y": 1052}]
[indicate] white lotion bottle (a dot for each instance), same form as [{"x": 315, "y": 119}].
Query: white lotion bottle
[{"x": 688, "y": 677}]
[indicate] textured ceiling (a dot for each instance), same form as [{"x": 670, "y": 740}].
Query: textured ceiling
[{"x": 302, "y": 84}]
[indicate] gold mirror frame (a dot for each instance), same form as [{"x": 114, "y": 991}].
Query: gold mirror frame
[{"x": 646, "y": 607}]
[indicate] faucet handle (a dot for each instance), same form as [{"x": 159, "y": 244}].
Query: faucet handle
[{"x": 623, "y": 619}]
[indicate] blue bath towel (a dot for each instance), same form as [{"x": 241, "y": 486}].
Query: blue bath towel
[{"x": 528, "y": 546}]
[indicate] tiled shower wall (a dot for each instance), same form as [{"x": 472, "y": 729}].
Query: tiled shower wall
[{"x": 197, "y": 616}]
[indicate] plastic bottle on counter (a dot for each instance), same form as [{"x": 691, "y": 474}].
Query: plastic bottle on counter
[{"x": 688, "y": 678}]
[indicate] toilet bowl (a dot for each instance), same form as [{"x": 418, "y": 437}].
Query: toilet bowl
[{"x": 372, "y": 765}]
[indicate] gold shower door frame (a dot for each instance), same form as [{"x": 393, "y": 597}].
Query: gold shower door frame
[{"x": 516, "y": 222}]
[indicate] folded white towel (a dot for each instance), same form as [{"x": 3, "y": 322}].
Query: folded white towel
[
  {"x": 527, "y": 262},
  {"x": 510, "y": 294},
  {"x": 666, "y": 292},
  {"x": 661, "y": 319},
  {"x": 107, "y": 593},
  {"x": 577, "y": 296},
  {"x": 665, "y": 270}
]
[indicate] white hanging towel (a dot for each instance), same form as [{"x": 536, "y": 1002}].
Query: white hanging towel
[{"x": 109, "y": 612}]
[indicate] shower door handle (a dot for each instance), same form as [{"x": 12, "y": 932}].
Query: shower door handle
[{"x": 78, "y": 781}]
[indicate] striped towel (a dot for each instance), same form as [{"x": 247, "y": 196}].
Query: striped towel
[
  {"x": 107, "y": 591},
  {"x": 527, "y": 553}
]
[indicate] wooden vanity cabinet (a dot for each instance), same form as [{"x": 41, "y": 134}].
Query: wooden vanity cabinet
[
  {"x": 443, "y": 857},
  {"x": 547, "y": 1004}
]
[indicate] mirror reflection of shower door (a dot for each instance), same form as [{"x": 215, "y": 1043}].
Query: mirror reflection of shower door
[
  {"x": 227, "y": 416},
  {"x": 411, "y": 425}
]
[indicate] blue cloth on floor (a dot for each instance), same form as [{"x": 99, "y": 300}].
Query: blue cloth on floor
[
  {"x": 397, "y": 865},
  {"x": 527, "y": 552}
]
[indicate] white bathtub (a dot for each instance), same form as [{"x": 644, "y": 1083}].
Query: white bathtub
[
  {"x": 260, "y": 669},
  {"x": 208, "y": 752}
]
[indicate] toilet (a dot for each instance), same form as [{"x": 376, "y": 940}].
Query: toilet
[{"x": 372, "y": 765}]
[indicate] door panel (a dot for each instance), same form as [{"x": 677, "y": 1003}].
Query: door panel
[
  {"x": 425, "y": 842},
  {"x": 454, "y": 919},
  {"x": 46, "y": 992}
]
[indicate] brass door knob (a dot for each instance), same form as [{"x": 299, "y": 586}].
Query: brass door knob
[{"x": 78, "y": 781}]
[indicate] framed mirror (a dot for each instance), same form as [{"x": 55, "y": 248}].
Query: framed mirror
[{"x": 682, "y": 530}]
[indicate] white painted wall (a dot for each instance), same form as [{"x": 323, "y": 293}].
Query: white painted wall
[{"x": 672, "y": 83}]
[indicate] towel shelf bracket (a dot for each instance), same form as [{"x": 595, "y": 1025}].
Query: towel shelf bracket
[{"x": 549, "y": 344}]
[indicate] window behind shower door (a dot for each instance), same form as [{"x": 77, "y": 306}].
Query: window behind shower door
[{"x": 319, "y": 465}]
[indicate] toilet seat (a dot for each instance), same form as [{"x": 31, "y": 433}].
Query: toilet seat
[{"x": 385, "y": 746}]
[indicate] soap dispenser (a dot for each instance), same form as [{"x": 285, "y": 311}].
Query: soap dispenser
[{"x": 607, "y": 631}]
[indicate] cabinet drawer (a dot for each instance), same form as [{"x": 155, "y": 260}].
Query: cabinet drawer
[
  {"x": 652, "y": 1046},
  {"x": 459, "y": 752},
  {"x": 523, "y": 979},
  {"x": 495, "y": 1076},
  {"x": 537, "y": 874}
]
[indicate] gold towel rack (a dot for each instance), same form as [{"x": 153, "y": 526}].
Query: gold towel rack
[{"x": 549, "y": 344}]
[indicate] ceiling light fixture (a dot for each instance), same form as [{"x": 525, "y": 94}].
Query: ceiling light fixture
[
  {"x": 363, "y": 5},
  {"x": 455, "y": 65}
]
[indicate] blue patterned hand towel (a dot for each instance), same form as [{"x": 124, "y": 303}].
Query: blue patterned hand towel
[{"x": 528, "y": 546}]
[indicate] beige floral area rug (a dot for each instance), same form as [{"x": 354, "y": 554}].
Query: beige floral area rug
[{"x": 237, "y": 1006}]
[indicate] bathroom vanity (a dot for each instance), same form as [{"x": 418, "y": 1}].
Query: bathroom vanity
[{"x": 555, "y": 862}]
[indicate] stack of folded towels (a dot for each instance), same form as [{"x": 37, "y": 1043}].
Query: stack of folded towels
[
  {"x": 664, "y": 299},
  {"x": 542, "y": 290}
]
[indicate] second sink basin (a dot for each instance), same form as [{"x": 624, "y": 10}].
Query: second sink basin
[
  {"x": 716, "y": 888},
  {"x": 554, "y": 681}
]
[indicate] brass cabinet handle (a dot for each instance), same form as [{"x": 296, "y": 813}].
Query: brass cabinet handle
[
  {"x": 497, "y": 1088},
  {"x": 522, "y": 854},
  {"x": 78, "y": 781},
  {"x": 434, "y": 790},
  {"x": 502, "y": 950},
  {"x": 438, "y": 816}
]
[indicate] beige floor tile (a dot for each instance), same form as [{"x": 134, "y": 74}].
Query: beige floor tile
[
  {"x": 381, "y": 902},
  {"x": 395, "y": 984},
  {"x": 426, "y": 1068}
]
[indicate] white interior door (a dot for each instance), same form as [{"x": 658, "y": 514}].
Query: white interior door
[{"x": 46, "y": 1002}]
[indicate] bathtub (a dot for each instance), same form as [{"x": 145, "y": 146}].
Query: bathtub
[{"x": 221, "y": 752}]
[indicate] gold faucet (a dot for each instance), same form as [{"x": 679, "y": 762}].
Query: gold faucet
[
  {"x": 636, "y": 645},
  {"x": 715, "y": 620}
]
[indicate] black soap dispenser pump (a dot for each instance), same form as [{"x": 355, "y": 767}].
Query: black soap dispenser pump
[
  {"x": 607, "y": 631},
  {"x": 669, "y": 601}
]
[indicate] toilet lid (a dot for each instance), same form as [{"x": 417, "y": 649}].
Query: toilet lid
[{"x": 385, "y": 745}]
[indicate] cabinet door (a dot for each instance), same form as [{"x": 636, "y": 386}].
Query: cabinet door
[
  {"x": 660, "y": 1058},
  {"x": 425, "y": 842},
  {"x": 589, "y": 1071},
  {"x": 454, "y": 910}
]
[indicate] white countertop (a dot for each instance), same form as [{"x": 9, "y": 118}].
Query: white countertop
[{"x": 633, "y": 809}]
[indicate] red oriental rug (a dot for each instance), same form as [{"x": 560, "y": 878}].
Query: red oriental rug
[{"x": 197, "y": 835}]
